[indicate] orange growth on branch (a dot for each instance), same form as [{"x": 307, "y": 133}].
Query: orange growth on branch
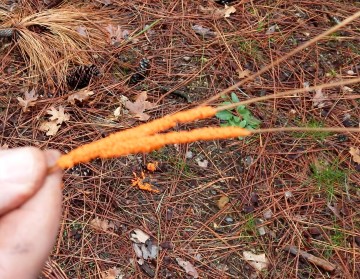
[
  {"x": 138, "y": 133},
  {"x": 166, "y": 123},
  {"x": 113, "y": 147}
]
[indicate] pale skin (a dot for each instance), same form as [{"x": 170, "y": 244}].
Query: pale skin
[{"x": 30, "y": 210}]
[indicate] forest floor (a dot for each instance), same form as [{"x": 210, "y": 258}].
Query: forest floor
[{"x": 226, "y": 209}]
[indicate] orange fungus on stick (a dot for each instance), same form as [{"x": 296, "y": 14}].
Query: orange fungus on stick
[{"x": 112, "y": 147}]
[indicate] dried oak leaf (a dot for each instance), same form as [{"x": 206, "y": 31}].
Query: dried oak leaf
[
  {"x": 30, "y": 98},
  {"x": 112, "y": 273},
  {"x": 319, "y": 99},
  {"x": 203, "y": 31},
  {"x": 259, "y": 262},
  {"x": 225, "y": 12},
  {"x": 59, "y": 116},
  {"x": 82, "y": 95},
  {"x": 138, "y": 107},
  {"x": 243, "y": 73},
  {"x": 138, "y": 236},
  {"x": 228, "y": 10},
  {"x": 103, "y": 225},
  {"x": 355, "y": 153},
  {"x": 188, "y": 267},
  {"x": 50, "y": 127},
  {"x": 116, "y": 34}
]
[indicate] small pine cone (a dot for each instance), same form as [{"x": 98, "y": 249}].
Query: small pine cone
[
  {"x": 6, "y": 33},
  {"x": 80, "y": 76},
  {"x": 141, "y": 71}
]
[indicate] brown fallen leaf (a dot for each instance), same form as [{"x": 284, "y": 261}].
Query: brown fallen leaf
[
  {"x": 138, "y": 236},
  {"x": 59, "y": 116},
  {"x": 188, "y": 267},
  {"x": 225, "y": 12},
  {"x": 228, "y": 10},
  {"x": 203, "y": 31},
  {"x": 82, "y": 95},
  {"x": 259, "y": 262},
  {"x": 112, "y": 273},
  {"x": 222, "y": 202},
  {"x": 319, "y": 99},
  {"x": 243, "y": 74},
  {"x": 50, "y": 127},
  {"x": 103, "y": 225},
  {"x": 138, "y": 107},
  {"x": 116, "y": 34},
  {"x": 29, "y": 101},
  {"x": 355, "y": 153}
]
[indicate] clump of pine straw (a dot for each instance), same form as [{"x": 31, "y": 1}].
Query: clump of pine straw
[{"x": 52, "y": 40}]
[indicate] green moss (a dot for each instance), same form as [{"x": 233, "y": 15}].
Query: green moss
[
  {"x": 314, "y": 135},
  {"x": 328, "y": 178}
]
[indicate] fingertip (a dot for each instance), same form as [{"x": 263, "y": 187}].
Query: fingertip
[
  {"x": 52, "y": 155},
  {"x": 22, "y": 172}
]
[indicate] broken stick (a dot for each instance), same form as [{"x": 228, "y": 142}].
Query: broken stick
[{"x": 311, "y": 258}]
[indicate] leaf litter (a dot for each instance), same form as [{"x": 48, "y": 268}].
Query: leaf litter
[
  {"x": 140, "y": 105},
  {"x": 81, "y": 96},
  {"x": 112, "y": 273},
  {"x": 58, "y": 116},
  {"x": 188, "y": 267},
  {"x": 29, "y": 100},
  {"x": 259, "y": 262},
  {"x": 217, "y": 12},
  {"x": 103, "y": 225},
  {"x": 143, "y": 246},
  {"x": 203, "y": 31},
  {"x": 116, "y": 34},
  {"x": 355, "y": 153},
  {"x": 222, "y": 202}
]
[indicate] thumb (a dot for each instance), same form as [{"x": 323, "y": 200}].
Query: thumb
[{"x": 22, "y": 172}]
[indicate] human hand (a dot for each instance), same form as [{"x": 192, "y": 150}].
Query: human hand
[{"x": 30, "y": 210}]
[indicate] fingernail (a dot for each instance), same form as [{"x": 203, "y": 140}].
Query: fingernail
[
  {"x": 17, "y": 166},
  {"x": 52, "y": 156}
]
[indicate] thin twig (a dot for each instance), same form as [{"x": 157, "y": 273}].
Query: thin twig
[
  {"x": 290, "y": 93},
  {"x": 285, "y": 57},
  {"x": 306, "y": 129}
]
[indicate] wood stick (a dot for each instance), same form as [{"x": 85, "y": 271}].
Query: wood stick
[{"x": 311, "y": 258}]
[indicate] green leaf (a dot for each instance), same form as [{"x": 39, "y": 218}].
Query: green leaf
[
  {"x": 243, "y": 124},
  {"x": 242, "y": 110},
  {"x": 224, "y": 115},
  {"x": 226, "y": 103},
  {"x": 234, "y": 97},
  {"x": 253, "y": 122},
  {"x": 233, "y": 123},
  {"x": 236, "y": 119}
]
